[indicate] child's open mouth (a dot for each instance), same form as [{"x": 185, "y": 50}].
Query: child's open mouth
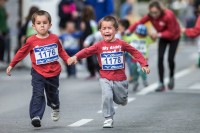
[{"x": 107, "y": 35}]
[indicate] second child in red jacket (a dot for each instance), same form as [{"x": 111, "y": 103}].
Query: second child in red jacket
[
  {"x": 194, "y": 31},
  {"x": 45, "y": 50},
  {"x": 110, "y": 53}
]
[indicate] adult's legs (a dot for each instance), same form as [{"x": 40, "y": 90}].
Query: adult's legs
[
  {"x": 172, "y": 52},
  {"x": 161, "y": 52}
]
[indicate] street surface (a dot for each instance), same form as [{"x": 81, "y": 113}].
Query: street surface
[{"x": 175, "y": 111}]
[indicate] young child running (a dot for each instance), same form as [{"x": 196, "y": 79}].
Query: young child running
[
  {"x": 110, "y": 53},
  {"x": 141, "y": 41},
  {"x": 44, "y": 49}
]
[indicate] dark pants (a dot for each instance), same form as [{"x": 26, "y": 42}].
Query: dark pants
[
  {"x": 71, "y": 69},
  {"x": 92, "y": 65},
  {"x": 38, "y": 102},
  {"x": 163, "y": 43},
  {"x": 2, "y": 48}
]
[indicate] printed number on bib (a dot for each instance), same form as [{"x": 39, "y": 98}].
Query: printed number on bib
[
  {"x": 46, "y": 54},
  {"x": 112, "y": 61}
]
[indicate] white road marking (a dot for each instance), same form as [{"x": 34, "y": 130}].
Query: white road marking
[
  {"x": 80, "y": 122},
  {"x": 129, "y": 100},
  {"x": 195, "y": 86},
  {"x": 178, "y": 75}
]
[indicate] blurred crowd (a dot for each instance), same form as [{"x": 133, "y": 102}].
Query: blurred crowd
[{"x": 78, "y": 24}]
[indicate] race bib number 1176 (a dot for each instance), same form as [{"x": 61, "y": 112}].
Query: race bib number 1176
[
  {"x": 112, "y": 61},
  {"x": 46, "y": 54}
]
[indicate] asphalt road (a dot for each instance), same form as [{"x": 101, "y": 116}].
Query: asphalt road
[{"x": 175, "y": 111}]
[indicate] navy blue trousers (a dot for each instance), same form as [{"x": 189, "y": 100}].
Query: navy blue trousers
[{"x": 38, "y": 101}]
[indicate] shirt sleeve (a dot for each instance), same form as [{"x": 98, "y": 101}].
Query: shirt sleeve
[
  {"x": 62, "y": 52},
  {"x": 136, "y": 54},
  {"x": 141, "y": 21},
  {"x": 195, "y": 31},
  {"x": 86, "y": 52},
  {"x": 21, "y": 54}
]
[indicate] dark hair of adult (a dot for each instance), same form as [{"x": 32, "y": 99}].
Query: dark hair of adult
[
  {"x": 157, "y": 5},
  {"x": 88, "y": 13},
  {"x": 32, "y": 10}
]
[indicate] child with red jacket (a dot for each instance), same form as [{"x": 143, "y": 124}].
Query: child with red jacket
[
  {"x": 44, "y": 49},
  {"x": 110, "y": 53},
  {"x": 194, "y": 31}
]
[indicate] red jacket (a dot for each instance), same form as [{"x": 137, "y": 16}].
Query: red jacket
[
  {"x": 167, "y": 25},
  {"x": 111, "y": 48},
  {"x": 195, "y": 31},
  {"x": 44, "y": 54}
]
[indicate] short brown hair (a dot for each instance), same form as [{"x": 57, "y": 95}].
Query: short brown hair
[
  {"x": 40, "y": 13},
  {"x": 111, "y": 19}
]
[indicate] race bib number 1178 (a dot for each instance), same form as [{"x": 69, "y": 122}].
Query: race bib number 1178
[
  {"x": 112, "y": 61},
  {"x": 46, "y": 54}
]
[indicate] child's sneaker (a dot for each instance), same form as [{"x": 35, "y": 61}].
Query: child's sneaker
[
  {"x": 145, "y": 83},
  {"x": 135, "y": 86},
  {"x": 36, "y": 122},
  {"x": 108, "y": 123},
  {"x": 55, "y": 114}
]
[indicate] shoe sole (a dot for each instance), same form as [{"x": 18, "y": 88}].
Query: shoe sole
[
  {"x": 36, "y": 123},
  {"x": 55, "y": 119},
  {"x": 107, "y": 127},
  {"x": 163, "y": 89}
]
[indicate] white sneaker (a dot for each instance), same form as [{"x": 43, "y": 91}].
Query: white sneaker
[
  {"x": 108, "y": 123},
  {"x": 55, "y": 114}
]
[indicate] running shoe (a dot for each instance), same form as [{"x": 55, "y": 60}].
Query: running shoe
[
  {"x": 160, "y": 88},
  {"x": 108, "y": 123},
  {"x": 171, "y": 84},
  {"x": 36, "y": 122},
  {"x": 55, "y": 114},
  {"x": 145, "y": 83},
  {"x": 135, "y": 86}
]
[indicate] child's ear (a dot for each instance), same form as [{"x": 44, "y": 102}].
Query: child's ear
[{"x": 33, "y": 26}]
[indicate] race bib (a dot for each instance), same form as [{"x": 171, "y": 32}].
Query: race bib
[
  {"x": 112, "y": 61},
  {"x": 140, "y": 46},
  {"x": 46, "y": 54}
]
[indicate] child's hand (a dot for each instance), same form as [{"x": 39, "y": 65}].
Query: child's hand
[
  {"x": 127, "y": 32},
  {"x": 146, "y": 69},
  {"x": 182, "y": 30},
  {"x": 8, "y": 70},
  {"x": 72, "y": 60}
]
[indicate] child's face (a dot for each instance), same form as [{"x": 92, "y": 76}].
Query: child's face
[
  {"x": 108, "y": 31},
  {"x": 42, "y": 25},
  {"x": 70, "y": 27}
]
